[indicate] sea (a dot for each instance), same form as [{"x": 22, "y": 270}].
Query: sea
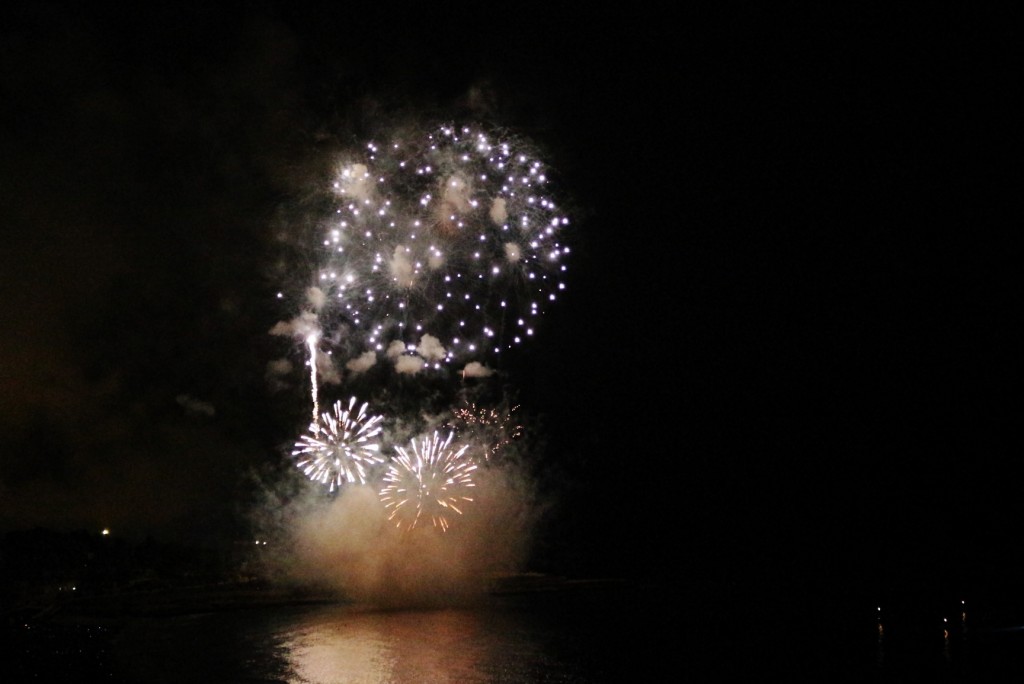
[{"x": 566, "y": 632}]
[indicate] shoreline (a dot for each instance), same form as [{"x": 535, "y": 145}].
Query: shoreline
[{"x": 110, "y": 607}]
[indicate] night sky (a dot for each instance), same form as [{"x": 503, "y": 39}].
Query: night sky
[{"x": 789, "y": 346}]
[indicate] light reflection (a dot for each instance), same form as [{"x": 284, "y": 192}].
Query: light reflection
[
  {"x": 963, "y": 619},
  {"x": 346, "y": 644},
  {"x": 946, "y": 653},
  {"x": 880, "y": 649},
  {"x": 910, "y": 625}
]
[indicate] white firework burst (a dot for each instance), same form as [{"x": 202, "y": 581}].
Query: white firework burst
[
  {"x": 343, "y": 449},
  {"x": 430, "y": 483},
  {"x": 452, "y": 232}
]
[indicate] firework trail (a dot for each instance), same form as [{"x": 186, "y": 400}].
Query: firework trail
[
  {"x": 429, "y": 484},
  {"x": 342, "y": 450},
  {"x": 311, "y": 342}
]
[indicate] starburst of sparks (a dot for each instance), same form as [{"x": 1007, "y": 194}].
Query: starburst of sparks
[
  {"x": 453, "y": 234},
  {"x": 493, "y": 427},
  {"x": 342, "y": 448},
  {"x": 430, "y": 481}
]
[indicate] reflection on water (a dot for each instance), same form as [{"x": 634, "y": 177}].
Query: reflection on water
[
  {"x": 607, "y": 635},
  {"x": 569, "y": 637},
  {"x": 343, "y": 644},
  {"x": 941, "y": 640}
]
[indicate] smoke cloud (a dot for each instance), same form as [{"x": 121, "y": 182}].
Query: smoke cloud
[{"x": 347, "y": 545}]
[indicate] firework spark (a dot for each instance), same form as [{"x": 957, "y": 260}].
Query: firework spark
[
  {"x": 494, "y": 428},
  {"x": 431, "y": 483},
  {"x": 452, "y": 234},
  {"x": 342, "y": 449}
]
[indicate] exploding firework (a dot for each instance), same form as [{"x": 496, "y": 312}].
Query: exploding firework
[
  {"x": 447, "y": 245},
  {"x": 343, "y": 449},
  {"x": 432, "y": 248},
  {"x": 494, "y": 429},
  {"x": 431, "y": 483}
]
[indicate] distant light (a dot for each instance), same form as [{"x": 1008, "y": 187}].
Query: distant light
[{"x": 105, "y": 532}]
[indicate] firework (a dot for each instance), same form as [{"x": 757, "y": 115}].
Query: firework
[
  {"x": 311, "y": 342},
  {"x": 493, "y": 428},
  {"x": 342, "y": 449},
  {"x": 452, "y": 234},
  {"x": 431, "y": 483}
]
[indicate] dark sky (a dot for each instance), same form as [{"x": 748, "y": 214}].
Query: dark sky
[{"x": 789, "y": 340}]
